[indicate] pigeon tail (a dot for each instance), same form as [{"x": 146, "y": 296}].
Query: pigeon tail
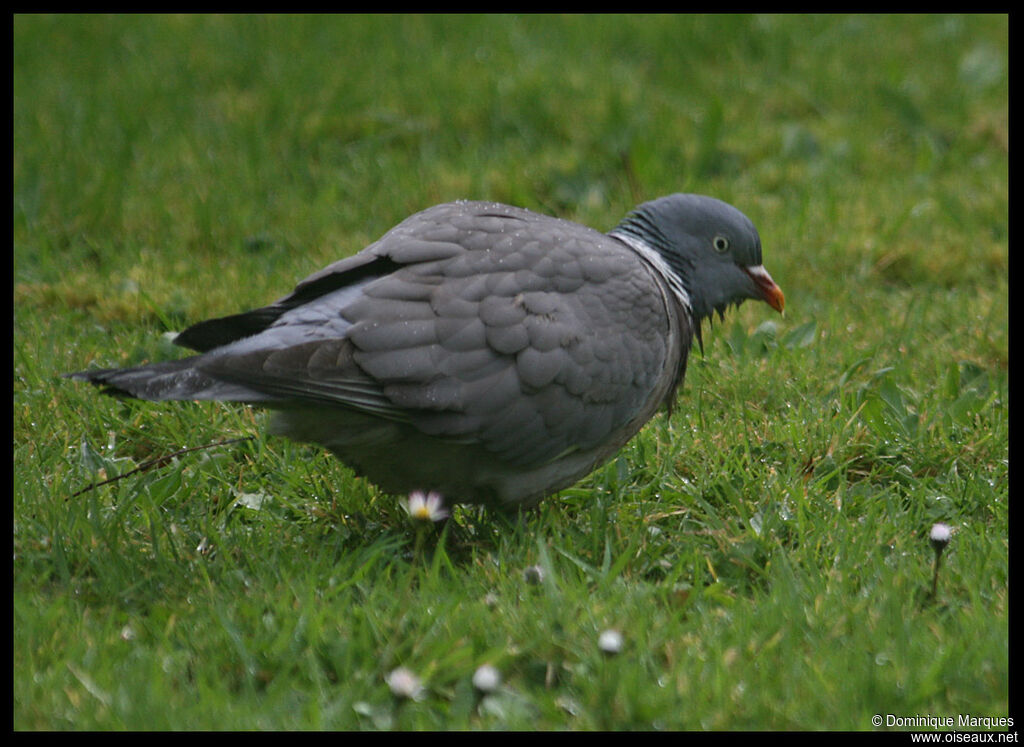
[{"x": 171, "y": 380}]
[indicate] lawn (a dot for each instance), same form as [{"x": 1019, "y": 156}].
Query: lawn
[{"x": 764, "y": 552}]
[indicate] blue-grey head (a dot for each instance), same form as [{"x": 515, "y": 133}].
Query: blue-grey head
[{"x": 712, "y": 248}]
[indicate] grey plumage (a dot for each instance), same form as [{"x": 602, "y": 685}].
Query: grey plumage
[{"x": 484, "y": 351}]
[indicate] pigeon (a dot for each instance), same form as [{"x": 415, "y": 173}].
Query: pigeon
[{"x": 485, "y": 352}]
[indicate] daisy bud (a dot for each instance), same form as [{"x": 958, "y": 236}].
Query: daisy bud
[
  {"x": 940, "y": 536},
  {"x": 486, "y": 679},
  {"x": 610, "y": 642}
]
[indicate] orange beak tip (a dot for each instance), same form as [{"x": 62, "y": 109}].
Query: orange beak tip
[
  {"x": 770, "y": 292},
  {"x": 778, "y": 301}
]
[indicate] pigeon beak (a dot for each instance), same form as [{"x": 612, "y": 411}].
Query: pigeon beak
[{"x": 770, "y": 292}]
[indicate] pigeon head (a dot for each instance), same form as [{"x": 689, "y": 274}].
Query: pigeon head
[{"x": 711, "y": 247}]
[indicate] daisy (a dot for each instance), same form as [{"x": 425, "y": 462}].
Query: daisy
[
  {"x": 404, "y": 684},
  {"x": 486, "y": 678},
  {"x": 426, "y": 506},
  {"x": 610, "y": 642}
]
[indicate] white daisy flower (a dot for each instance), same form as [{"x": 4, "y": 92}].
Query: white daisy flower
[
  {"x": 404, "y": 684},
  {"x": 426, "y": 506}
]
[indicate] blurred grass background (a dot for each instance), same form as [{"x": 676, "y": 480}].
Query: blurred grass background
[{"x": 764, "y": 553}]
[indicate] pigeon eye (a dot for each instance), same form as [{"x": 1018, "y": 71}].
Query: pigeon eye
[{"x": 720, "y": 243}]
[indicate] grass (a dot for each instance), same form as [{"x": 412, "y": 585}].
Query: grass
[{"x": 764, "y": 553}]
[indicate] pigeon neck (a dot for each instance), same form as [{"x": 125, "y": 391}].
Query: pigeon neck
[{"x": 657, "y": 261}]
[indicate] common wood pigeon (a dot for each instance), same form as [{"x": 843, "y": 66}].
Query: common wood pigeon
[{"x": 483, "y": 351}]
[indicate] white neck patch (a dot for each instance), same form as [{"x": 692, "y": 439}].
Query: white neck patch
[{"x": 660, "y": 266}]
